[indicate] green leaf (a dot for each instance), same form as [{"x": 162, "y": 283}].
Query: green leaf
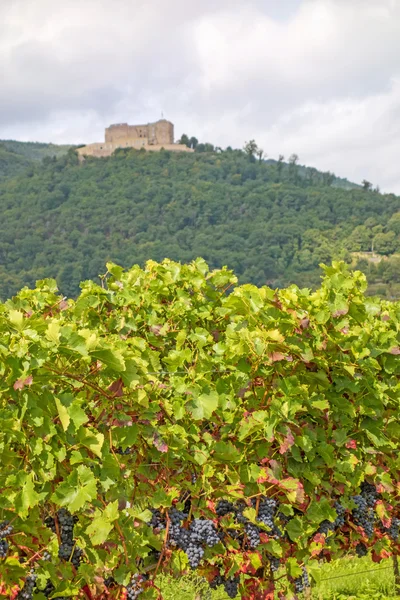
[
  {"x": 295, "y": 528},
  {"x": 226, "y": 451},
  {"x": 79, "y": 488},
  {"x": 293, "y": 568},
  {"x": 91, "y": 440},
  {"x": 99, "y": 530},
  {"x": 111, "y": 358},
  {"x": 204, "y": 406},
  {"x": 63, "y": 414},
  {"x": 28, "y": 497},
  {"x": 77, "y": 414}
]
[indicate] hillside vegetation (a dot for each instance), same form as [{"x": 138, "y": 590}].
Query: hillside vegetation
[
  {"x": 17, "y": 157},
  {"x": 271, "y": 222}
]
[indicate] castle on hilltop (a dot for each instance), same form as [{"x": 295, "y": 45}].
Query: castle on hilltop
[{"x": 152, "y": 136}]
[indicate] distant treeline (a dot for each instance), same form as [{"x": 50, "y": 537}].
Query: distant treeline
[{"x": 272, "y": 222}]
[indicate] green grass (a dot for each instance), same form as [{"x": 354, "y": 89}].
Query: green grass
[{"x": 345, "y": 579}]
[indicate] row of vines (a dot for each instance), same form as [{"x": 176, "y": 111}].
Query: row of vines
[{"x": 170, "y": 421}]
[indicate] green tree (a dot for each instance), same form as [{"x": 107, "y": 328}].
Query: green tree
[
  {"x": 366, "y": 185},
  {"x": 184, "y": 140},
  {"x": 385, "y": 243},
  {"x": 250, "y": 148}
]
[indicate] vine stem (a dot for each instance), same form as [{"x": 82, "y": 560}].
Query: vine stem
[
  {"x": 163, "y": 548},
  {"x": 80, "y": 379}
]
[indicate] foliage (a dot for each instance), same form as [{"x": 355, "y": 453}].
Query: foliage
[
  {"x": 35, "y": 151},
  {"x": 159, "y": 390},
  {"x": 271, "y": 222}
]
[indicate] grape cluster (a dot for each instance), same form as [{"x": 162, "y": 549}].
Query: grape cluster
[
  {"x": 68, "y": 550},
  {"x": 327, "y": 526},
  {"x": 274, "y": 562},
  {"x": 200, "y": 532},
  {"x": 125, "y": 452},
  {"x": 253, "y": 535},
  {"x": 203, "y": 530},
  {"x": 394, "y": 529},
  {"x": 110, "y": 582},
  {"x": 231, "y": 585},
  {"x": 361, "y": 550},
  {"x": 27, "y": 591},
  {"x": 46, "y": 556},
  {"x": 224, "y": 507},
  {"x": 192, "y": 540},
  {"x": 5, "y": 530},
  {"x": 266, "y": 511},
  {"x": 175, "y": 530},
  {"x": 157, "y": 520},
  {"x": 341, "y": 513},
  {"x": 363, "y": 515},
  {"x": 302, "y": 582},
  {"x": 134, "y": 587},
  {"x": 369, "y": 493}
]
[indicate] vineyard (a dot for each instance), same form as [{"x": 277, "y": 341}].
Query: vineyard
[{"x": 169, "y": 421}]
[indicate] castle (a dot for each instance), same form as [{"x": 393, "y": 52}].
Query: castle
[{"x": 152, "y": 136}]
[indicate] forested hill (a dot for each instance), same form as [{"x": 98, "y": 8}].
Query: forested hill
[{"x": 270, "y": 222}]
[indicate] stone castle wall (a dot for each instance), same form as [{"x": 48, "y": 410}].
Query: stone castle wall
[{"x": 152, "y": 136}]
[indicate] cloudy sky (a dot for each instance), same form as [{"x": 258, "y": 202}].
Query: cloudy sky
[{"x": 317, "y": 77}]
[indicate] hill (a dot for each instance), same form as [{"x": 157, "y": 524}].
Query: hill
[
  {"x": 16, "y": 157},
  {"x": 266, "y": 220},
  {"x": 35, "y": 151}
]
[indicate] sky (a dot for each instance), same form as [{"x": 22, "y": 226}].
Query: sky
[{"x": 319, "y": 78}]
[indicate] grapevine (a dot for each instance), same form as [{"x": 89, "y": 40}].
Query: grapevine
[{"x": 172, "y": 421}]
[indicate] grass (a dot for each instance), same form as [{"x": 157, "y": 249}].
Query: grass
[{"x": 345, "y": 579}]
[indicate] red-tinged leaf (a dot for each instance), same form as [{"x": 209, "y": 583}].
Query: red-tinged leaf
[
  {"x": 385, "y": 317},
  {"x": 254, "y": 591},
  {"x": 276, "y": 356},
  {"x": 211, "y": 505},
  {"x": 340, "y": 312},
  {"x": 383, "y": 514},
  {"x": 63, "y": 305},
  {"x": 294, "y": 489},
  {"x": 275, "y": 466},
  {"x": 116, "y": 388},
  {"x": 378, "y": 557},
  {"x": 287, "y": 443},
  {"x": 395, "y": 350},
  {"x": 159, "y": 443},
  {"x": 345, "y": 330},
  {"x": 21, "y": 383},
  {"x": 289, "y": 358},
  {"x": 305, "y": 323},
  {"x": 351, "y": 444},
  {"x": 156, "y": 329},
  {"x": 319, "y": 538},
  {"x": 263, "y": 477}
]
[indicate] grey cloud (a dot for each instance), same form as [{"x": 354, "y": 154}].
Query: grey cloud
[{"x": 312, "y": 76}]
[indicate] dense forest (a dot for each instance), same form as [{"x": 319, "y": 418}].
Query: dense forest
[{"x": 272, "y": 222}]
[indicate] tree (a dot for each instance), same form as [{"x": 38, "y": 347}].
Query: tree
[
  {"x": 193, "y": 142},
  {"x": 184, "y": 140},
  {"x": 260, "y": 154},
  {"x": 293, "y": 170},
  {"x": 385, "y": 243},
  {"x": 366, "y": 185},
  {"x": 251, "y": 148}
]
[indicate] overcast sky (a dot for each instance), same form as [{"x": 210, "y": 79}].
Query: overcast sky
[{"x": 320, "y": 78}]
